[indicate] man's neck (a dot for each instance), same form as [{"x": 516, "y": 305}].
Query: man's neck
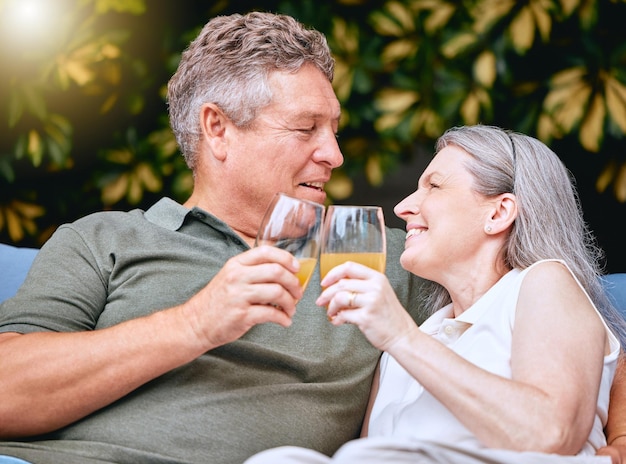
[{"x": 233, "y": 219}]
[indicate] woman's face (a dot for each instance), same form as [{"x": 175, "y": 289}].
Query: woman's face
[{"x": 445, "y": 218}]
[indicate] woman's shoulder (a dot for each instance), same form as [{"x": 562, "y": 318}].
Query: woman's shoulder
[
  {"x": 552, "y": 284},
  {"x": 549, "y": 273}
]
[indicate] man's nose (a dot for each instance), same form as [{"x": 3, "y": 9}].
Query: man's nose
[{"x": 329, "y": 152}]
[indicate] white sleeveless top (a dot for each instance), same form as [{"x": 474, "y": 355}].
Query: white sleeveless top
[{"x": 483, "y": 336}]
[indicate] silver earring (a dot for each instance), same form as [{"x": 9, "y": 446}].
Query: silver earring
[{"x": 488, "y": 229}]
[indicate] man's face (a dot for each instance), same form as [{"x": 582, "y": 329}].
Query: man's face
[{"x": 292, "y": 145}]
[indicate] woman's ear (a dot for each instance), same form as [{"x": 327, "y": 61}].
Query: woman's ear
[
  {"x": 213, "y": 123},
  {"x": 503, "y": 214}
]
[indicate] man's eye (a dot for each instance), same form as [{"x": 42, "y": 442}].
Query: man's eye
[{"x": 433, "y": 185}]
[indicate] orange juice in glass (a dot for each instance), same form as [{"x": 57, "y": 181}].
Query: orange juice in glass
[
  {"x": 294, "y": 225},
  {"x": 307, "y": 266},
  {"x": 353, "y": 233}
]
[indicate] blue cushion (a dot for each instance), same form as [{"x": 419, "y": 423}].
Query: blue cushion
[
  {"x": 615, "y": 285},
  {"x": 10, "y": 460},
  {"x": 14, "y": 265}
]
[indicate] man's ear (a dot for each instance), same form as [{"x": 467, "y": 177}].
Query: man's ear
[
  {"x": 213, "y": 123},
  {"x": 503, "y": 214}
]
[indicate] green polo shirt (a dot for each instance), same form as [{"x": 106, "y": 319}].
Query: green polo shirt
[{"x": 306, "y": 385}]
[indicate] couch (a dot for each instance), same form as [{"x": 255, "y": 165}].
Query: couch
[
  {"x": 14, "y": 265},
  {"x": 15, "y": 262}
]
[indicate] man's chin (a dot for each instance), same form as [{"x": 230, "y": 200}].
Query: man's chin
[{"x": 311, "y": 194}]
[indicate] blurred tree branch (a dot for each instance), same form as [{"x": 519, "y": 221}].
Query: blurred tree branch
[{"x": 406, "y": 70}]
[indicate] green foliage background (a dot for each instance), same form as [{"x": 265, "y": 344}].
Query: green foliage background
[{"x": 83, "y": 125}]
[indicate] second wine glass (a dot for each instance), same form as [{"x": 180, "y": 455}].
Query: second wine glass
[
  {"x": 353, "y": 233},
  {"x": 294, "y": 225}
]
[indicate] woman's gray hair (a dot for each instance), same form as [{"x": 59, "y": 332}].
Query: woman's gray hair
[
  {"x": 550, "y": 221},
  {"x": 228, "y": 64}
]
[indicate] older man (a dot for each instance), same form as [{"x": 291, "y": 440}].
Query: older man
[{"x": 161, "y": 336}]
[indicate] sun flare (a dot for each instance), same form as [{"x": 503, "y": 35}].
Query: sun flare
[{"x": 28, "y": 22}]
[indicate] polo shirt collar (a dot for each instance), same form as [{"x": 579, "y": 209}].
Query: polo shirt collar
[
  {"x": 171, "y": 215},
  {"x": 443, "y": 324},
  {"x": 167, "y": 213}
]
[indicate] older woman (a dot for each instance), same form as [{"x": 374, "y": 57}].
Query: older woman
[{"x": 515, "y": 363}]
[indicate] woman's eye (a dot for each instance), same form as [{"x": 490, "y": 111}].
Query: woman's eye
[{"x": 433, "y": 185}]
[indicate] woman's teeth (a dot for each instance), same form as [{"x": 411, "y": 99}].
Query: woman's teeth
[{"x": 413, "y": 232}]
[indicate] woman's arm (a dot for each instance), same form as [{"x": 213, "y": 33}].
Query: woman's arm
[
  {"x": 557, "y": 354},
  {"x": 557, "y": 357}
]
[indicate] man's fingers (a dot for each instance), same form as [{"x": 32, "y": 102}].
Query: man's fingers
[
  {"x": 268, "y": 254},
  {"x": 272, "y": 313}
]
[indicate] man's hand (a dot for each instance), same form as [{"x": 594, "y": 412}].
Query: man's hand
[
  {"x": 616, "y": 452},
  {"x": 615, "y": 428},
  {"x": 254, "y": 287}
]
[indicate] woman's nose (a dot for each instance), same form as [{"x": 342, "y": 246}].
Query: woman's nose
[{"x": 408, "y": 206}]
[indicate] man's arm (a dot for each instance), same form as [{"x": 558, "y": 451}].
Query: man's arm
[
  {"x": 616, "y": 424},
  {"x": 51, "y": 379}
]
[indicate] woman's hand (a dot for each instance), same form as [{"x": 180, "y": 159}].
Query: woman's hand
[{"x": 358, "y": 295}]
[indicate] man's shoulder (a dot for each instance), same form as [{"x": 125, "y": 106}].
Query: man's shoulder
[
  {"x": 395, "y": 244},
  {"x": 159, "y": 214},
  {"x": 107, "y": 231},
  {"x": 395, "y": 234},
  {"x": 108, "y": 217}
]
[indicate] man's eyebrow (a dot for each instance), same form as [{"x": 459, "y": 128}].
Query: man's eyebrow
[{"x": 316, "y": 115}]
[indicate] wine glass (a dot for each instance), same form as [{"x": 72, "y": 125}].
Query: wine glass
[
  {"x": 296, "y": 226},
  {"x": 353, "y": 233}
]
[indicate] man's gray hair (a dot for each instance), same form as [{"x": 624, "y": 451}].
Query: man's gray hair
[{"x": 228, "y": 64}]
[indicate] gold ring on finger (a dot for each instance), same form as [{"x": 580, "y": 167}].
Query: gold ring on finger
[{"x": 351, "y": 300}]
